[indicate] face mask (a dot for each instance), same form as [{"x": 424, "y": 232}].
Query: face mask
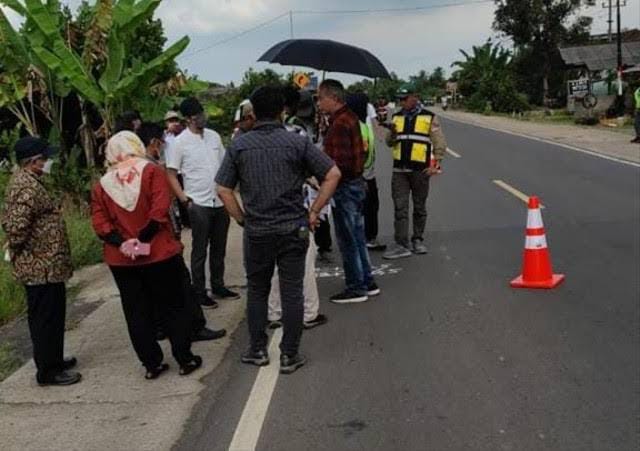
[{"x": 46, "y": 169}]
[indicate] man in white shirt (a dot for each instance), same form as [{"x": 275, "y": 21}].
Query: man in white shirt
[{"x": 197, "y": 154}]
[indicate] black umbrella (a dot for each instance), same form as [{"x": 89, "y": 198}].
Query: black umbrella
[{"x": 326, "y": 55}]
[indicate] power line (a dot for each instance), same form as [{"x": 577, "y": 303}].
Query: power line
[
  {"x": 393, "y": 10},
  {"x": 237, "y": 35},
  {"x": 290, "y": 14}
]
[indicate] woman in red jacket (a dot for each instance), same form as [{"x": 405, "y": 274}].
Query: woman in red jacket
[{"x": 130, "y": 213}]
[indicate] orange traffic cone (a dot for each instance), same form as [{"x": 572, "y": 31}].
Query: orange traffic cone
[{"x": 536, "y": 267}]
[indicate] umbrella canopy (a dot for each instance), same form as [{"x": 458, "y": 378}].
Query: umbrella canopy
[{"x": 326, "y": 55}]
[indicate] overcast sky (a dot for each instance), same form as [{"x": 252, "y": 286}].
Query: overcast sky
[{"x": 405, "y": 41}]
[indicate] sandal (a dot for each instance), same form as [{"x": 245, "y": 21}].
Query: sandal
[
  {"x": 156, "y": 372},
  {"x": 191, "y": 366}
]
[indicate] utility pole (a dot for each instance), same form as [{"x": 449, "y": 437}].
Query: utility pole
[
  {"x": 291, "y": 24},
  {"x": 293, "y": 69},
  {"x": 619, "y": 45},
  {"x": 610, "y": 21}
]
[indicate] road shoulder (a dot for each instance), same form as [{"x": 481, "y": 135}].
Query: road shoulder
[
  {"x": 611, "y": 145},
  {"x": 114, "y": 407}
]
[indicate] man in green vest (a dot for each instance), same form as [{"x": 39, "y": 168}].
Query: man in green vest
[
  {"x": 359, "y": 103},
  {"x": 637, "y": 121},
  {"x": 418, "y": 146}
]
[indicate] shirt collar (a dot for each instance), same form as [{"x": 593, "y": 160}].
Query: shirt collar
[
  {"x": 338, "y": 112},
  {"x": 267, "y": 125},
  {"x": 412, "y": 112}
]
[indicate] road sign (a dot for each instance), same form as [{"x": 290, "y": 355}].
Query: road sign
[
  {"x": 579, "y": 88},
  {"x": 301, "y": 80}
]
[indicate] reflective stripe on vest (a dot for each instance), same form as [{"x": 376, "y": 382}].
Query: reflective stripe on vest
[{"x": 419, "y": 139}]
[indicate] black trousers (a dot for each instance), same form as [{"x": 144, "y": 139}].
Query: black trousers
[
  {"x": 371, "y": 207},
  {"x": 149, "y": 288},
  {"x": 197, "y": 321},
  {"x": 322, "y": 236},
  {"x": 182, "y": 210},
  {"x": 46, "y": 309},
  {"x": 209, "y": 229},
  {"x": 260, "y": 256}
]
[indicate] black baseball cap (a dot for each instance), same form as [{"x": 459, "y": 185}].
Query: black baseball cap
[
  {"x": 190, "y": 107},
  {"x": 32, "y": 146}
]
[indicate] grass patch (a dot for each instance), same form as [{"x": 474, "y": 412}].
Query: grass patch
[
  {"x": 86, "y": 249},
  {"x": 9, "y": 361}
]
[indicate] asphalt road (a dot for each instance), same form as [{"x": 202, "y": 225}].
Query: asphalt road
[{"x": 449, "y": 357}]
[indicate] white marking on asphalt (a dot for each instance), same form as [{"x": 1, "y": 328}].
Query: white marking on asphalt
[
  {"x": 510, "y": 189},
  {"x": 555, "y": 143},
  {"x": 453, "y": 153},
  {"x": 338, "y": 271},
  {"x": 255, "y": 410}
]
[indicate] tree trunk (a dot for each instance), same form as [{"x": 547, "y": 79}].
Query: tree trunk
[{"x": 87, "y": 139}]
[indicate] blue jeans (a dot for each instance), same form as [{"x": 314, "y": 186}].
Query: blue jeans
[{"x": 349, "y": 223}]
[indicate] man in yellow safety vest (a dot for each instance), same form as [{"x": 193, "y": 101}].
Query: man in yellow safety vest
[{"x": 418, "y": 147}]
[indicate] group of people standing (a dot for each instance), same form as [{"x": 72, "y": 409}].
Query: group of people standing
[{"x": 292, "y": 172}]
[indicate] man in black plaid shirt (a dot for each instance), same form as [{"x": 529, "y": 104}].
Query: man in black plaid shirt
[{"x": 271, "y": 164}]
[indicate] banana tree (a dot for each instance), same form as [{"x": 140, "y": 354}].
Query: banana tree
[
  {"x": 98, "y": 75},
  {"x": 16, "y": 76}
]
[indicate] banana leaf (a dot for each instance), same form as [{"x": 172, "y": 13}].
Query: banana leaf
[
  {"x": 71, "y": 74},
  {"x": 153, "y": 108},
  {"x": 129, "y": 14},
  {"x": 149, "y": 70},
  {"x": 43, "y": 19},
  {"x": 194, "y": 87},
  {"x": 115, "y": 63},
  {"x": 12, "y": 90},
  {"x": 12, "y": 47},
  {"x": 14, "y": 5}
]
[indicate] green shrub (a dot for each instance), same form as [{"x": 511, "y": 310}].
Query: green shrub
[{"x": 70, "y": 179}]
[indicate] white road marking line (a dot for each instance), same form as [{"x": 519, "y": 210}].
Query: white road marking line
[
  {"x": 548, "y": 141},
  {"x": 510, "y": 189},
  {"x": 255, "y": 410},
  {"x": 453, "y": 153}
]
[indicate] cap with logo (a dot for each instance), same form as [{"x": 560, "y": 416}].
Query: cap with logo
[{"x": 405, "y": 91}]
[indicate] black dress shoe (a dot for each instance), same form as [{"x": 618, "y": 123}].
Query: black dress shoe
[
  {"x": 61, "y": 378},
  {"x": 259, "y": 357},
  {"x": 69, "y": 363},
  {"x": 206, "y": 334},
  {"x": 191, "y": 366},
  {"x": 225, "y": 293},
  {"x": 289, "y": 364},
  {"x": 154, "y": 373},
  {"x": 207, "y": 302},
  {"x": 317, "y": 321}
]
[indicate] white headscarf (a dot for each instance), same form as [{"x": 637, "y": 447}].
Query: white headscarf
[{"x": 125, "y": 162}]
